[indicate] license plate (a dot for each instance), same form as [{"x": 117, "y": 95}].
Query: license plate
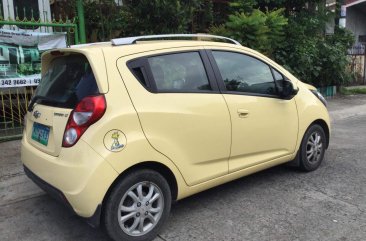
[{"x": 40, "y": 133}]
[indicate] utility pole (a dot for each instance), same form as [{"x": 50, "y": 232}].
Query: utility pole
[{"x": 81, "y": 20}]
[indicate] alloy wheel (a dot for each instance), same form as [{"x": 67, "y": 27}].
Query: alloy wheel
[
  {"x": 314, "y": 147},
  {"x": 140, "y": 209}
]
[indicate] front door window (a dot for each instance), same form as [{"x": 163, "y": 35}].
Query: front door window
[{"x": 243, "y": 73}]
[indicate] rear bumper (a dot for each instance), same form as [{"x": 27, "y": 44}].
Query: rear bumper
[
  {"x": 94, "y": 220},
  {"x": 52, "y": 191},
  {"x": 78, "y": 177}
]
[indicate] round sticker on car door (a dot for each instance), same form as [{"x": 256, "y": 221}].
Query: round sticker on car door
[{"x": 115, "y": 140}]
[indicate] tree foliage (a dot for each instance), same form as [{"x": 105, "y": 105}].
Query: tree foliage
[
  {"x": 289, "y": 31},
  {"x": 102, "y": 19},
  {"x": 311, "y": 55},
  {"x": 263, "y": 31},
  {"x": 292, "y": 32},
  {"x": 158, "y": 16},
  {"x": 105, "y": 20}
]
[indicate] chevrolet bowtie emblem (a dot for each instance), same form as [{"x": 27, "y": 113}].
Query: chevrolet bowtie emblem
[{"x": 36, "y": 114}]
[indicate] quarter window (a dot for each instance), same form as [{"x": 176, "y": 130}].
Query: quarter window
[
  {"x": 242, "y": 73},
  {"x": 181, "y": 72},
  {"x": 139, "y": 74}
]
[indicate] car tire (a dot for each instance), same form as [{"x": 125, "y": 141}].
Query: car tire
[
  {"x": 312, "y": 149},
  {"x": 138, "y": 206}
]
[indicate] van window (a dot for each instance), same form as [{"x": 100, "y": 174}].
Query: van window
[{"x": 66, "y": 82}]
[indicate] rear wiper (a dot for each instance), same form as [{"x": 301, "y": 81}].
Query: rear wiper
[{"x": 39, "y": 97}]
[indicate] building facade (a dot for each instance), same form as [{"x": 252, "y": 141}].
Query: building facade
[{"x": 356, "y": 19}]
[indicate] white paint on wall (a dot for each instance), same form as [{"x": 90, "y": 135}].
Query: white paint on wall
[{"x": 355, "y": 2}]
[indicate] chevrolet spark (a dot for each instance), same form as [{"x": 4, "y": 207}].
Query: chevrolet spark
[{"x": 118, "y": 130}]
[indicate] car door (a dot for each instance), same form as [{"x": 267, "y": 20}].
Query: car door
[
  {"x": 264, "y": 126},
  {"x": 181, "y": 110}
]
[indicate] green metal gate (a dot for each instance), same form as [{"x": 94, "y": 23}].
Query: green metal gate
[{"x": 14, "y": 101}]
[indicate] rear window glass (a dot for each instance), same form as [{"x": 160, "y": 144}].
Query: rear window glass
[{"x": 67, "y": 81}]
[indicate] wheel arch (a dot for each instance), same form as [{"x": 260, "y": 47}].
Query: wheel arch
[
  {"x": 296, "y": 161},
  {"x": 325, "y": 127},
  {"x": 152, "y": 165}
]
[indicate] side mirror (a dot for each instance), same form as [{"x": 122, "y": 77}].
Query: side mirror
[{"x": 287, "y": 91}]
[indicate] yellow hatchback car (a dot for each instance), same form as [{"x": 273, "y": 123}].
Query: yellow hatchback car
[{"x": 118, "y": 130}]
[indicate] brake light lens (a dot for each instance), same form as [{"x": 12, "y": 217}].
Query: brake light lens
[{"x": 87, "y": 112}]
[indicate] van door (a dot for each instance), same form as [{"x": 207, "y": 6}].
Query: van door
[{"x": 182, "y": 113}]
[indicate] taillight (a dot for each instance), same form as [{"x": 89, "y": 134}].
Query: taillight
[{"x": 87, "y": 112}]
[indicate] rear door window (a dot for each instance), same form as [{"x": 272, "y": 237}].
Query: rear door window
[
  {"x": 179, "y": 72},
  {"x": 66, "y": 82}
]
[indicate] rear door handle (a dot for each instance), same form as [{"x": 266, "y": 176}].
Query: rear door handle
[{"x": 243, "y": 113}]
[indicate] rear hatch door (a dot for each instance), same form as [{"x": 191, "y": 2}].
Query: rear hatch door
[{"x": 66, "y": 80}]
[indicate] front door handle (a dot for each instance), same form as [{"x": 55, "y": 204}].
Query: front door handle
[{"x": 243, "y": 113}]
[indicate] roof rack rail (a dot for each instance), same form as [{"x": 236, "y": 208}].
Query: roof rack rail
[{"x": 133, "y": 40}]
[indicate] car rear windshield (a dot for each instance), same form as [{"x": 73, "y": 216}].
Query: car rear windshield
[{"x": 67, "y": 81}]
